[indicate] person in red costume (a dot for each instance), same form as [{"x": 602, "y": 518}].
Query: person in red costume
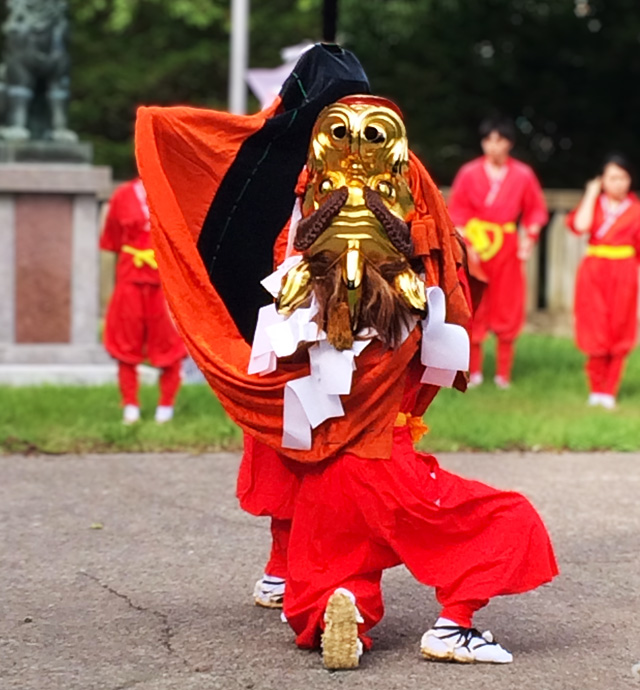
[
  {"x": 329, "y": 386},
  {"x": 490, "y": 197},
  {"x": 606, "y": 296},
  {"x": 138, "y": 325}
]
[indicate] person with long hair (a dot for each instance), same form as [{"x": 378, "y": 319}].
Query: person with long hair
[
  {"x": 492, "y": 195},
  {"x": 606, "y": 295}
]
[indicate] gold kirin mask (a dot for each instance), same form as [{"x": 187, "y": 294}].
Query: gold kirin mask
[{"x": 354, "y": 231}]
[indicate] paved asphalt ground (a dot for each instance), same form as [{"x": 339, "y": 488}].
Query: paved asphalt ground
[{"x": 159, "y": 598}]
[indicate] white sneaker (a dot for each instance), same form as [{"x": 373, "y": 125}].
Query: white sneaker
[
  {"x": 269, "y": 592},
  {"x": 130, "y": 414},
  {"x": 475, "y": 379},
  {"x": 502, "y": 383},
  {"x": 593, "y": 399},
  {"x": 164, "y": 413},
  {"x": 602, "y": 400},
  {"x": 341, "y": 646},
  {"x": 447, "y": 641},
  {"x": 608, "y": 401}
]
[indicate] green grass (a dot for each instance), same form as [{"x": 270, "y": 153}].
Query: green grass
[
  {"x": 545, "y": 409},
  {"x": 60, "y": 419}
]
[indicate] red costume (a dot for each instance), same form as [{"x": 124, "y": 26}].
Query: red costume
[
  {"x": 606, "y": 296},
  {"x": 138, "y": 325},
  {"x": 489, "y": 211},
  {"x": 468, "y": 540},
  {"x": 359, "y": 498}
]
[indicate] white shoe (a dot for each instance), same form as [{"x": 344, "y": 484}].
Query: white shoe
[
  {"x": 341, "y": 646},
  {"x": 269, "y": 592},
  {"x": 593, "y": 400},
  {"x": 130, "y": 414},
  {"x": 608, "y": 401},
  {"x": 602, "y": 400},
  {"x": 447, "y": 641},
  {"x": 502, "y": 383},
  {"x": 164, "y": 413},
  {"x": 475, "y": 379}
]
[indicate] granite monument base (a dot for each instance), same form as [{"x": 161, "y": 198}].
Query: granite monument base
[{"x": 49, "y": 265}]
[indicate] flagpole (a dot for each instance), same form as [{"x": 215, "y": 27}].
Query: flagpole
[{"x": 239, "y": 56}]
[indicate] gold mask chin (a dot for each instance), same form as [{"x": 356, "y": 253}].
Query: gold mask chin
[{"x": 358, "y": 163}]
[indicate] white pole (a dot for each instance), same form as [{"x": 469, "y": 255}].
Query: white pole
[{"x": 239, "y": 56}]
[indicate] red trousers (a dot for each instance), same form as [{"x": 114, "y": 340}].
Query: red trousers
[
  {"x": 501, "y": 309},
  {"x": 355, "y": 517},
  {"x": 606, "y": 306},
  {"x": 278, "y": 559},
  {"x": 139, "y": 327},
  {"x": 128, "y": 381},
  {"x": 604, "y": 373}
]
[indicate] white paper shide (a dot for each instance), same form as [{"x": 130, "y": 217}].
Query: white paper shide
[{"x": 311, "y": 400}]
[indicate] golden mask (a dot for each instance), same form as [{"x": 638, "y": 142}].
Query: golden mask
[{"x": 354, "y": 216}]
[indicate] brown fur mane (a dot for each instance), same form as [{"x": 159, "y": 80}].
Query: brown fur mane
[{"x": 380, "y": 305}]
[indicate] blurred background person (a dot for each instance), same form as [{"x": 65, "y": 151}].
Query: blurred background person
[
  {"x": 489, "y": 196},
  {"x": 606, "y": 295},
  {"x": 138, "y": 324}
]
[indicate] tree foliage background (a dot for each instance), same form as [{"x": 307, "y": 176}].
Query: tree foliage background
[{"x": 568, "y": 71}]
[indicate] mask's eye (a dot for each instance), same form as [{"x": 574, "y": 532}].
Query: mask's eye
[
  {"x": 373, "y": 134},
  {"x": 326, "y": 186},
  {"x": 385, "y": 189},
  {"x": 339, "y": 132}
]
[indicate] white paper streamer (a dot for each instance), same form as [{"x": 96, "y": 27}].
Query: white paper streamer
[
  {"x": 445, "y": 346},
  {"x": 311, "y": 400}
]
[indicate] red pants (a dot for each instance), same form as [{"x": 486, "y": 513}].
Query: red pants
[
  {"x": 604, "y": 373},
  {"x": 278, "y": 559},
  {"x": 128, "y": 381},
  {"x": 501, "y": 309},
  {"x": 606, "y": 306},
  {"x": 355, "y": 517},
  {"x": 139, "y": 327}
]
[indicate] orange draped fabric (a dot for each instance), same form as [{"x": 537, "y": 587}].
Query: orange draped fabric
[{"x": 183, "y": 154}]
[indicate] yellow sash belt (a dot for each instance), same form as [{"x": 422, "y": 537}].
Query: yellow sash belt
[
  {"x": 417, "y": 428},
  {"x": 141, "y": 256},
  {"x": 487, "y": 238},
  {"x": 610, "y": 251}
]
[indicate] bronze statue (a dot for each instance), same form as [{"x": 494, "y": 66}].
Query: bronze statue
[{"x": 36, "y": 71}]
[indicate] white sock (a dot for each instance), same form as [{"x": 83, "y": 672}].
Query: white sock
[{"x": 445, "y": 622}]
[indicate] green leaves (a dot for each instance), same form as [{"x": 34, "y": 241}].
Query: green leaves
[
  {"x": 119, "y": 15},
  {"x": 446, "y": 63}
]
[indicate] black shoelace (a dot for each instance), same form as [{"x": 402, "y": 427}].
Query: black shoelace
[{"x": 467, "y": 635}]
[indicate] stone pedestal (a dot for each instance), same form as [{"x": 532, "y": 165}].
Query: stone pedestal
[
  {"x": 46, "y": 152},
  {"x": 49, "y": 264}
]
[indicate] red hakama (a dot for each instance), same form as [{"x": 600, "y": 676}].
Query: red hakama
[
  {"x": 489, "y": 212},
  {"x": 606, "y": 295},
  {"x": 468, "y": 540}
]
